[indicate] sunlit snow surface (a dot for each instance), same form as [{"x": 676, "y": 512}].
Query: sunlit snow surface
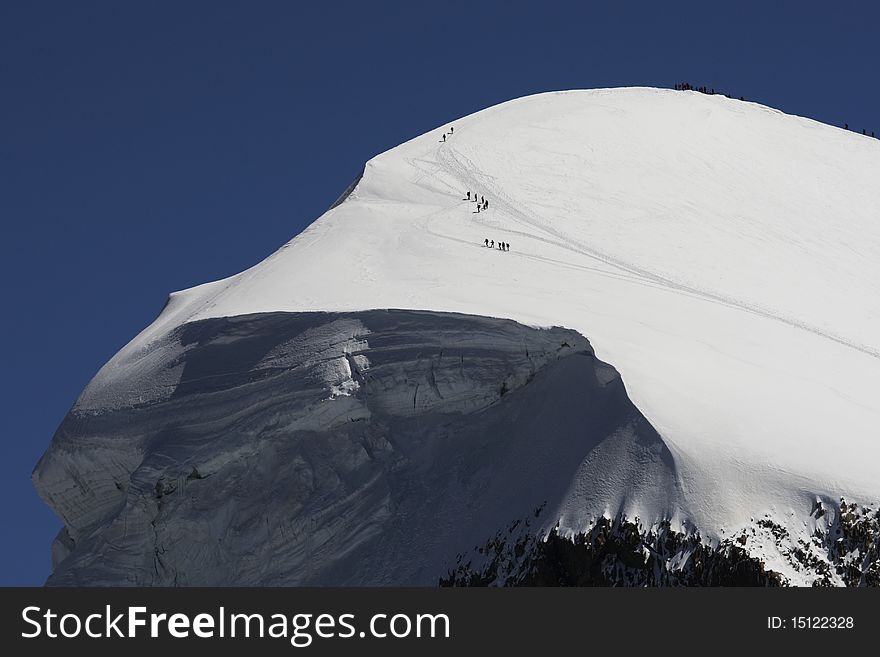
[{"x": 722, "y": 255}]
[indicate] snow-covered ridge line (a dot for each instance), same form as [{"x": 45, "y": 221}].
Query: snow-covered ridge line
[
  {"x": 348, "y": 191},
  {"x": 722, "y": 255}
]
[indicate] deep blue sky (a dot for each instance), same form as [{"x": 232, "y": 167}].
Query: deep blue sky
[{"x": 149, "y": 146}]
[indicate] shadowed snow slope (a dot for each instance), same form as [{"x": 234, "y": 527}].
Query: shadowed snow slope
[
  {"x": 357, "y": 448},
  {"x": 723, "y": 256}
]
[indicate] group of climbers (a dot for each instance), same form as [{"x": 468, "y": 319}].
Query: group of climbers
[
  {"x": 686, "y": 86},
  {"x": 481, "y": 202}
]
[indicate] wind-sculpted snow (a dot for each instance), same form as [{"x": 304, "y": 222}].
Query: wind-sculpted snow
[
  {"x": 341, "y": 448},
  {"x": 724, "y": 257}
]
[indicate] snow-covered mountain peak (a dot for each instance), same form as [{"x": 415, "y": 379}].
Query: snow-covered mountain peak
[{"x": 723, "y": 256}]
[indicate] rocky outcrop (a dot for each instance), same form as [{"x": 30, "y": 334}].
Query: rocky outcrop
[{"x": 843, "y": 550}]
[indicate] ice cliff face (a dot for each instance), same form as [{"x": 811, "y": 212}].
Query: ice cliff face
[
  {"x": 298, "y": 448},
  {"x": 724, "y": 257}
]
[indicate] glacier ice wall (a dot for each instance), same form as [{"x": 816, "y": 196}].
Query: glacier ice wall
[{"x": 340, "y": 448}]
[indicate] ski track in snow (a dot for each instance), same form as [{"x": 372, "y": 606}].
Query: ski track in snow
[{"x": 524, "y": 217}]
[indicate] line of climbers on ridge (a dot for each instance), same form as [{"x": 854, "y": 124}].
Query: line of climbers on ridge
[
  {"x": 684, "y": 86},
  {"x": 502, "y": 246},
  {"x": 864, "y": 132},
  {"x": 482, "y": 204}
]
